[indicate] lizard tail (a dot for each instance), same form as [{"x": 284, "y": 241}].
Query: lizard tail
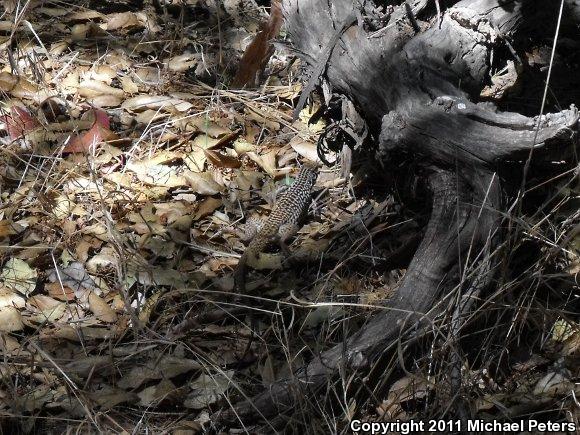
[{"x": 240, "y": 274}]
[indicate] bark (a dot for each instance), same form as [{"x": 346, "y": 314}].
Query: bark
[{"x": 417, "y": 85}]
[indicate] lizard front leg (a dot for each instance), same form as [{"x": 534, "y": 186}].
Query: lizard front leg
[{"x": 286, "y": 232}]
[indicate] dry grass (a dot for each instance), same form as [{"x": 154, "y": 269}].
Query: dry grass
[{"x": 122, "y": 255}]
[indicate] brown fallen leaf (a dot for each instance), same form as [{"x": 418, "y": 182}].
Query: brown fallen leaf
[
  {"x": 202, "y": 183},
  {"x": 9, "y": 346},
  {"x": 204, "y": 141},
  {"x": 307, "y": 149},
  {"x": 10, "y": 298},
  {"x": 182, "y": 62},
  {"x": 101, "y": 309},
  {"x": 19, "y": 276},
  {"x": 10, "y": 319},
  {"x": 108, "y": 397},
  {"x": 266, "y": 161},
  {"x": 165, "y": 367},
  {"x": 206, "y": 125},
  {"x": 222, "y": 160},
  {"x": 17, "y": 86},
  {"x": 208, "y": 389},
  {"x": 44, "y": 309},
  {"x": 56, "y": 291},
  {"x": 122, "y": 20},
  {"x": 94, "y": 88},
  {"x": 164, "y": 391},
  {"x": 85, "y": 15},
  {"x": 553, "y": 385},
  {"x": 103, "y": 73},
  {"x": 42, "y": 303},
  {"x": 104, "y": 101},
  {"x": 207, "y": 207},
  {"x": 128, "y": 85},
  {"x": 156, "y": 102},
  {"x": 504, "y": 82},
  {"x": 260, "y": 50},
  {"x": 7, "y": 228}
]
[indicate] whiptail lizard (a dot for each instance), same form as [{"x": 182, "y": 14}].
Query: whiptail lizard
[{"x": 282, "y": 223}]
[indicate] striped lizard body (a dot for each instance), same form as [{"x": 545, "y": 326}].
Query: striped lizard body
[{"x": 282, "y": 223}]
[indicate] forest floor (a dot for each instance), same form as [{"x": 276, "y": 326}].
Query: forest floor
[{"x": 127, "y": 172}]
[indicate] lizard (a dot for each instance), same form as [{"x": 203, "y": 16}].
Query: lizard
[{"x": 282, "y": 223}]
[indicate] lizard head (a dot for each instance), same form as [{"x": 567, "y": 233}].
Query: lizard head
[{"x": 307, "y": 175}]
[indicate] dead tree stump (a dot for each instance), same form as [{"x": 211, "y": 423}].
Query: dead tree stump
[{"x": 419, "y": 86}]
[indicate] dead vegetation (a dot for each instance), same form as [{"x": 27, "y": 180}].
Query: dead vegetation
[{"x": 128, "y": 169}]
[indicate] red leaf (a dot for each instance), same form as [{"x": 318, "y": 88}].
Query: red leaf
[
  {"x": 98, "y": 133},
  {"x": 102, "y": 118},
  {"x": 19, "y": 122}
]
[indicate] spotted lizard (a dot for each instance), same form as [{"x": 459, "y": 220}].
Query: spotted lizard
[{"x": 282, "y": 223}]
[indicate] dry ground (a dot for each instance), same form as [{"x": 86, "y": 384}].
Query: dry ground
[{"x": 127, "y": 172}]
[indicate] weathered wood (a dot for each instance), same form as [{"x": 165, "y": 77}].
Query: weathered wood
[{"x": 419, "y": 90}]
